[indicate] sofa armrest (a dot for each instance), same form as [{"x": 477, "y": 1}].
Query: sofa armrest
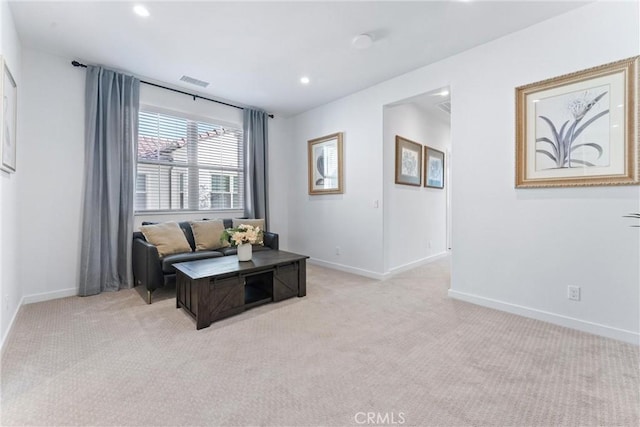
[
  {"x": 271, "y": 240},
  {"x": 147, "y": 270}
]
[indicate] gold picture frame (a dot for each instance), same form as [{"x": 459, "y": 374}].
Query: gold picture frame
[
  {"x": 8, "y": 118},
  {"x": 325, "y": 165},
  {"x": 408, "y": 162},
  {"x": 579, "y": 129}
]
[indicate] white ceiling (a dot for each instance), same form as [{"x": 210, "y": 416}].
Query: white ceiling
[{"x": 254, "y": 53}]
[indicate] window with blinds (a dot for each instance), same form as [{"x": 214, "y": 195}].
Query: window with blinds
[{"x": 188, "y": 165}]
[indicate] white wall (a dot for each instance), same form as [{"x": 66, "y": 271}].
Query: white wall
[
  {"x": 10, "y": 290},
  {"x": 320, "y": 223},
  {"x": 519, "y": 249},
  {"x": 414, "y": 217},
  {"x": 51, "y": 184},
  {"x": 512, "y": 249}
]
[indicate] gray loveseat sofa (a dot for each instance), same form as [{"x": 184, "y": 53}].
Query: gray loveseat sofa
[{"x": 153, "y": 272}]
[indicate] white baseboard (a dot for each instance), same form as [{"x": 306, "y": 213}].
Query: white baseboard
[
  {"x": 373, "y": 274},
  {"x": 418, "y": 263},
  {"x": 557, "y": 319},
  {"x": 10, "y": 327},
  {"x": 46, "y": 296},
  {"x": 346, "y": 268}
]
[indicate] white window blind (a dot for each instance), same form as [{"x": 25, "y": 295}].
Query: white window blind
[{"x": 186, "y": 164}]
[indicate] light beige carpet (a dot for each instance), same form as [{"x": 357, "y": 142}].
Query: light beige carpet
[{"x": 398, "y": 348}]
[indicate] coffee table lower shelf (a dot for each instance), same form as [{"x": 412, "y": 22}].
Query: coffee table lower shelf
[
  {"x": 213, "y": 289},
  {"x": 254, "y": 296}
]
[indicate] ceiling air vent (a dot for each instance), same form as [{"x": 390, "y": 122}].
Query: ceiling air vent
[
  {"x": 193, "y": 81},
  {"x": 445, "y": 106}
]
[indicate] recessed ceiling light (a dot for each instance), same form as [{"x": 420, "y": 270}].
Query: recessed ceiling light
[
  {"x": 362, "y": 41},
  {"x": 141, "y": 10},
  {"x": 304, "y": 80},
  {"x": 444, "y": 93}
]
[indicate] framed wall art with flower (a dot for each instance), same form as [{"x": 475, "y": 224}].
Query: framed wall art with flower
[
  {"x": 325, "y": 165},
  {"x": 579, "y": 129},
  {"x": 408, "y": 162}
]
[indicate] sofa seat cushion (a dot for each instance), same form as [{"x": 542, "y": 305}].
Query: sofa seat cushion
[
  {"x": 234, "y": 250},
  {"x": 169, "y": 260}
]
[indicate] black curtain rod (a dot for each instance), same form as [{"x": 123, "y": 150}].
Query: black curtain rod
[{"x": 79, "y": 64}]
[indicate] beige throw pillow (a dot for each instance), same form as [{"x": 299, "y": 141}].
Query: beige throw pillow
[
  {"x": 168, "y": 237},
  {"x": 207, "y": 234}
]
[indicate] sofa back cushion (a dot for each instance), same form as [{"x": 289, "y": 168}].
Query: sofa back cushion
[
  {"x": 168, "y": 237},
  {"x": 228, "y": 223},
  {"x": 207, "y": 234}
]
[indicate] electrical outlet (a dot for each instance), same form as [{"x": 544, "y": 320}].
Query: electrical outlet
[
  {"x": 376, "y": 204},
  {"x": 337, "y": 250},
  {"x": 574, "y": 293}
]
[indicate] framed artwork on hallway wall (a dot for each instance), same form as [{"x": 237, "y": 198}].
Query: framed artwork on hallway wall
[
  {"x": 8, "y": 117},
  {"x": 579, "y": 129},
  {"x": 408, "y": 162},
  {"x": 433, "y": 168},
  {"x": 325, "y": 165}
]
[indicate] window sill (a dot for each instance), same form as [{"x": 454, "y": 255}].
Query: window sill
[{"x": 186, "y": 212}]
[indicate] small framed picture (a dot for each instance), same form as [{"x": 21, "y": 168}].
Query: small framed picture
[
  {"x": 408, "y": 162},
  {"x": 433, "y": 168},
  {"x": 325, "y": 164},
  {"x": 8, "y": 116},
  {"x": 579, "y": 129}
]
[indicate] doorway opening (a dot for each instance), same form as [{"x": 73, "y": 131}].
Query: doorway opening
[{"x": 417, "y": 218}]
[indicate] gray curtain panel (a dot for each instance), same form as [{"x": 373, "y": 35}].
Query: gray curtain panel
[
  {"x": 111, "y": 129},
  {"x": 255, "y": 127}
]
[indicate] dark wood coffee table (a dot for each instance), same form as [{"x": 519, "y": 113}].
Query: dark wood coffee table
[{"x": 211, "y": 289}]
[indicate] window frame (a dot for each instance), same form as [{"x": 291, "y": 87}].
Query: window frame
[{"x": 197, "y": 118}]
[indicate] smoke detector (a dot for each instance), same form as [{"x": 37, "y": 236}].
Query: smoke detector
[{"x": 362, "y": 41}]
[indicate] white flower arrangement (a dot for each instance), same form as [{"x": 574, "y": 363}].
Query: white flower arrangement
[{"x": 243, "y": 234}]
